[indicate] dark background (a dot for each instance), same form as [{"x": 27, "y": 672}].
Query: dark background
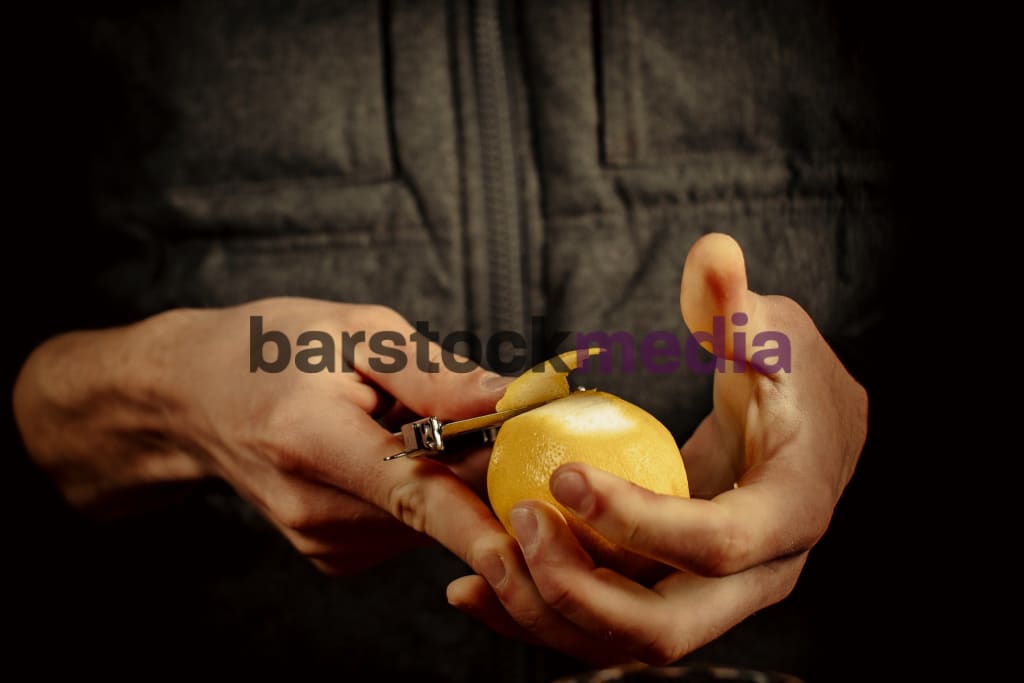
[{"x": 174, "y": 588}]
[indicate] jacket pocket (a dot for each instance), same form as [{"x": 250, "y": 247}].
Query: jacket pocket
[
  {"x": 685, "y": 79},
  {"x": 198, "y": 97}
]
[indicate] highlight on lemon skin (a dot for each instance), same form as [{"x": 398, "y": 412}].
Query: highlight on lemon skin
[{"x": 592, "y": 427}]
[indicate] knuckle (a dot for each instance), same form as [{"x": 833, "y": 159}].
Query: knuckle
[
  {"x": 615, "y": 509},
  {"x": 860, "y": 397},
  {"x": 382, "y": 315},
  {"x": 817, "y": 515},
  {"x": 560, "y": 596},
  {"x": 503, "y": 548},
  {"x": 532, "y": 620},
  {"x": 504, "y": 593},
  {"x": 659, "y": 651},
  {"x": 786, "y": 586},
  {"x": 281, "y": 440},
  {"x": 407, "y": 502},
  {"x": 860, "y": 414},
  {"x": 633, "y": 534},
  {"x": 712, "y": 560},
  {"x": 792, "y": 314},
  {"x": 782, "y": 583},
  {"x": 817, "y": 531},
  {"x": 330, "y": 569},
  {"x": 295, "y": 514},
  {"x": 286, "y": 460},
  {"x": 305, "y": 546},
  {"x": 724, "y": 554}
]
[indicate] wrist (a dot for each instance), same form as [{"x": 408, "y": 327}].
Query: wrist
[{"x": 97, "y": 411}]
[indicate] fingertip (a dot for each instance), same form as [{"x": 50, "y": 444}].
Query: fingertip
[
  {"x": 473, "y": 597},
  {"x": 467, "y": 394},
  {"x": 493, "y": 383},
  {"x": 461, "y": 591},
  {"x": 714, "y": 280},
  {"x": 716, "y": 248}
]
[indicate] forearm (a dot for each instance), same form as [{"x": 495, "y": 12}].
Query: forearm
[{"x": 97, "y": 411}]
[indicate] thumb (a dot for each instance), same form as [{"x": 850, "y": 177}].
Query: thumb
[
  {"x": 714, "y": 298},
  {"x": 716, "y": 304}
]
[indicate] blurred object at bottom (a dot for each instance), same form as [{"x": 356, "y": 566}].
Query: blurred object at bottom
[{"x": 689, "y": 674}]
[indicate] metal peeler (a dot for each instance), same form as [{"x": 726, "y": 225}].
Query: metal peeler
[{"x": 432, "y": 437}]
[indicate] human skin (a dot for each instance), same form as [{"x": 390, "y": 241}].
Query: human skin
[
  {"x": 113, "y": 414},
  {"x": 116, "y": 415},
  {"x": 789, "y": 441}
]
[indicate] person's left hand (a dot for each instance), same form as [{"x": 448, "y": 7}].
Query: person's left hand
[{"x": 789, "y": 441}]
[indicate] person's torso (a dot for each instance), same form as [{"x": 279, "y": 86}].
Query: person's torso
[{"x": 531, "y": 166}]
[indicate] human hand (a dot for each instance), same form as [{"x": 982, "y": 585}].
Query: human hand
[
  {"x": 114, "y": 413},
  {"x": 790, "y": 441}
]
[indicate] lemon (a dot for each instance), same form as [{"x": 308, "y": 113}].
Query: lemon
[
  {"x": 591, "y": 427},
  {"x": 544, "y": 382}
]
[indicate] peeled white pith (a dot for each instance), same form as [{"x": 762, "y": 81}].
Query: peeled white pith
[{"x": 587, "y": 413}]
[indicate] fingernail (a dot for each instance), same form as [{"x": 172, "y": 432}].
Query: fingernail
[
  {"x": 495, "y": 382},
  {"x": 524, "y": 524},
  {"x": 493, "y": 569},
  {"x": 571, "y": 489}
]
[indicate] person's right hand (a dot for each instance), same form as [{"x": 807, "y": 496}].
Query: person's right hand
[
  {"x": 108, "y": 414},
  {"x": 111, "y": 413}
]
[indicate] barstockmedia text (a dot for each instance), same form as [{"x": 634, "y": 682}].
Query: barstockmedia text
[{"x": 508, "y": 352}]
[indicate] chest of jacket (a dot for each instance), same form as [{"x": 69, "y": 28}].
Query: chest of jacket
[{"x": 480, "y": 164}]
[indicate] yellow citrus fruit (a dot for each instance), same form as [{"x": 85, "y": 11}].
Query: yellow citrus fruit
[
  {"x": 592, "y": 427},
  {"x": 545, "y": 381}
]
